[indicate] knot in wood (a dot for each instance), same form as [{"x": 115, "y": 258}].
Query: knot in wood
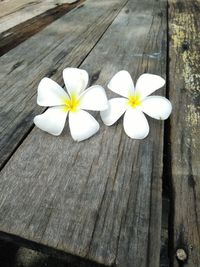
[
  {"x": 181, "y": 254},
  {"x": 185, "y": 45}
]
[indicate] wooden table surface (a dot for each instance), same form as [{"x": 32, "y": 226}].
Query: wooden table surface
[{"x": 109, "y": 200}]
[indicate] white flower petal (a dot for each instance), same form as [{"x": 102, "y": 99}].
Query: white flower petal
[
  {"x": 157, "y": 107},
  {"x": 82, "y": 125},
  {"x": 148, "y": 83},
  {"x": 94, "y": 98},
  {"x": 76, "y": 80},
  {"x": 135, "y": 124},
  {"x": 117, "y": 106},
  {"x": 52, "y": 120},
  {"x": 50, "y": 93},
  {"x": 122, "y": 83}
]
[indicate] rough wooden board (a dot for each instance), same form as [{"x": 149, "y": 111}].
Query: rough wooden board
[
  {"x": 141, "y": 49},
  {"x": 9, "y": 7},
  {"x": 184, "y": 87},
  {"x": 63, "y": 43},
  {"x": 21, "y": 32},
  {"x": 99, "y": 199},
  {"x": 18, "y": 11}
]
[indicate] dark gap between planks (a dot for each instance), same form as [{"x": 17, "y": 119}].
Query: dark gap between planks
[
  {"x": 12, "y": 243},
  {"x": 167, "y": 247},
  {"x": 21, "y": 32}
]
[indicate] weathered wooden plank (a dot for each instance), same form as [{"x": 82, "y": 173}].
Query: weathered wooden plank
[
  {"x": 99, "y": 199},
  {"x": 184, "y": 85},
  {"x": 63, "y": 43},
  {"x": 21, "y": 32},
  {"x": 15, "y": 12},
  {"x": 9, "y": 7}
]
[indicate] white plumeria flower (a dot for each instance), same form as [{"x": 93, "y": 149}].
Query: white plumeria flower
[
  {"x": 134, "y": 102},
  {"x": 73, "y": 102}
]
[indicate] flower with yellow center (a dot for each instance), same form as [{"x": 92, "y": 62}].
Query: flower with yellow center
[
  {"x": 135, "y": 102},
  {"x": 71, "y": 103}
]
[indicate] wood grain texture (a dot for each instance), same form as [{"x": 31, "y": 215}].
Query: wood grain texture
[
  {"x": 9, "y": 7},
  {"x": 63, "y": 43},
  {"x": 15, "y": 12},
  {"x": 99, "y": 199},
  {"x": 21, "y": 32},
  {"x": 184, "y": 88}
]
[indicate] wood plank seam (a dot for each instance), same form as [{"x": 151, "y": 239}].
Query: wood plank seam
[{"x": 167, "y": 195}]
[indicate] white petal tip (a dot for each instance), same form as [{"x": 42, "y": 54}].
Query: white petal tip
[
  {"x": 169, "y": 110},
  {"x": 50, "y": 93},
  {"x": 75, "y": 80},
  {"x": 37, "y": 122},
  {"x": 135, "y": 124},
  {"x": 116, "y": 108},
  {"x": 51, "y": 121},
  {"x": 81, "y": 138},
  {"x": 82, "y": 125},
  {"x": 104, "y": 108},
  {"x": 106, "y": 122},
  {"x": 106, "y": 118},
  {"x": 154, "y": 77},
  {"x": 121, "y": 83},
  {"x": 94, "y": 98},
  {"x": 148, "y": 83},
  {"x": 157, "y": 107},
  {"x": 137, "y": 137}
]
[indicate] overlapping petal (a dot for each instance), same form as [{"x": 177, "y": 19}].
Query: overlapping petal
[
  {"x": 122, "y": 83},
  {"x": 117, "y": 107},
  {"x": 94, "y": 98},
  {"x": 135, "y": 124},
  {"x": 52, "y": 120},
  {"x": 82, "y": 125},
  {"x": 50, "y": 93},
  {"x": 75, "y": 80},
  {"x": 148, "y": 83},
  {"x": 157, "y": 107}
]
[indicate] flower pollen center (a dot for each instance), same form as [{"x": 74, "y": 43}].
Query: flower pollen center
[
  {"x": 134, "y": 101},
  {"x": 72, "y": 103}
]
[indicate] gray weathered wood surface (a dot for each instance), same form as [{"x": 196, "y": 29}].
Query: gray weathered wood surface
[
  {"x": 100, "y": 199},
  {"x": 22, "y": 30},
  {"x": 184, "y": 85},
  {"x": 63, "y": 43},
  {"x": 15, "y": 12}
]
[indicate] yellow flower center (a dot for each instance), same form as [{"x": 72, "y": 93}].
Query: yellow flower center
[
  {"x": 72, "y": 103},
  {"x": 134, "y": 101}
]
